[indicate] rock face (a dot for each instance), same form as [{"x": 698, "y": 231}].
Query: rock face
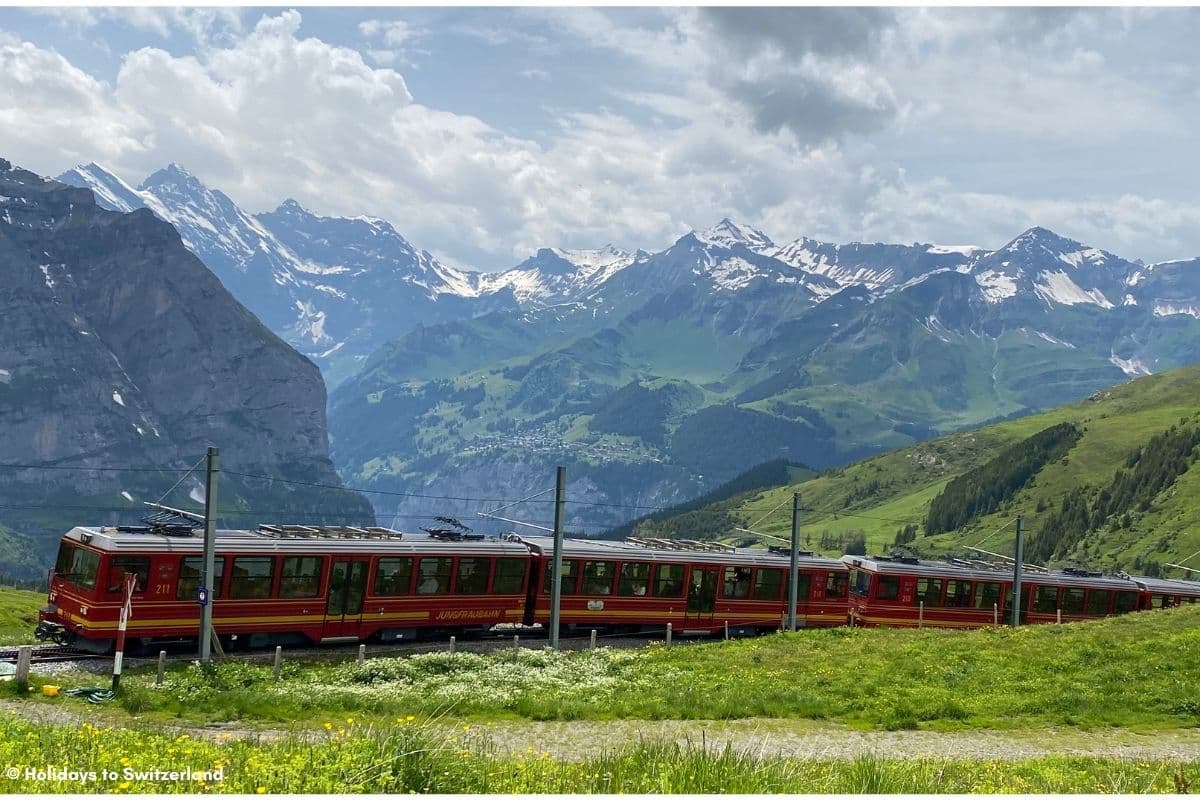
[{"x": 118, "y": 348}]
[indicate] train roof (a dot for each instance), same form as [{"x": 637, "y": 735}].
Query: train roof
[
  {"x": 940, "y": 569},
  {"x": 1168, "y": 585},
  {"x": 291, "y": 539},
  {"x": 693, "y": 552}
]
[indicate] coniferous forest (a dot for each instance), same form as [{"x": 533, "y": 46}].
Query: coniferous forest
[{"x": 981, "y": 491}]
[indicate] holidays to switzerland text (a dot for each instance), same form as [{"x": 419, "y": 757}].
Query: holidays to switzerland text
[{"x": 67, "y": 775}]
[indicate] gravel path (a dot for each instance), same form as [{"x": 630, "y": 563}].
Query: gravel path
[{"x": 766, "y": 738}]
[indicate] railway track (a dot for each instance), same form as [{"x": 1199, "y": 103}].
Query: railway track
[{"x": 48, "y": 654}]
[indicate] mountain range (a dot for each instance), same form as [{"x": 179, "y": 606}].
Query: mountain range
[
  {"x": 654, "y": 376},
  {"x": 121, "y": 359}
]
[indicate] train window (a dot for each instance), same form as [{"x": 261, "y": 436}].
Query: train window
[
  {"x": 929, "y": 592},
  {"x": 1097, "y": 602},
  {"x": 119, "y": 565},
  {"x": 433, "y": 576},
  {"x": 668, "y": 580},
  {"x": 1125, "y": 602},
  {"x": 958, "y": 594},
  {"x": 598, "y": 576},
  {"x": 987, "y": 595},
  {"x": 251, "y": 577},
  {"x": 889, "y": 587},
  {"x": 300, "y": 576},
  {"x": 66, "y": 554},
  {"x": 1072, "y": 600},
  {"x": 393, "y": 576},
  {"x": 635, "y": 579},
  {"x": 737, "y": 583},
  {"x": 1045, "y": 599},
  {"x": 768, "y": 583},
  {"x": 472, "y": 576},
  {"x": 860, "y": 582},
  {"x": 78, "y": 566},
  {"x": 570, "y": 573},
  {"x": 190, "y": 571},
  {"x": 510, "y": 576},
  {"x": 836, "y": 584}
]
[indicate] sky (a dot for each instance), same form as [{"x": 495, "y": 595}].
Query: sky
[{"x": 484, "y": 134}]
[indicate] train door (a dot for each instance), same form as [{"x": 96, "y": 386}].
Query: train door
[
  {"x": 702, "y": 597},
  {"x": 343, "y": 608}
]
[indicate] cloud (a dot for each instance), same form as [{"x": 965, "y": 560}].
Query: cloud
[
  {"x": 868, "y": 125},
  {"x": 393, "y": 32},
  {"x": 200, "y": 24}
]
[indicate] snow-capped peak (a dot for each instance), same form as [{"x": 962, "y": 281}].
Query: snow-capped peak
[
  {"x": 1038, "y": 241},
  {"x": 110, "y": 191},
  {"x": 556, "y": 275},
  {"x": 728, "y": 233}
]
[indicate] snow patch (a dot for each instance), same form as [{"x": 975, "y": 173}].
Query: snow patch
[
  {"x": 996, "y": 286},
  {"x": 127, "y": 496},
  {"x": 50, "y": 283},
  {"x": 952, "y": 249},
  {"x": 1059, "y": 288},
  {"x": 5, "y": 376},
  {"x": 1130, "y": 366},
  {"x": 196, "y": 494},
  {"x": 1162, "y": 309},
  {"x": 1129, "y": 301},
  {"x": 1047, "y": 337},
  {"x": 118, "y": 399}
]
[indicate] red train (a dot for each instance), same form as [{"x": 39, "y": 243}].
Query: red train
[
  {"x": 300, "y": 584},
  {"x": 904, "y": 591}
]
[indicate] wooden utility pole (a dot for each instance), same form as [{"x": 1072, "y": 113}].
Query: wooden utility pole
[
  {"x": 560, "y": 501},
  {"x": 210, "y": 543}
]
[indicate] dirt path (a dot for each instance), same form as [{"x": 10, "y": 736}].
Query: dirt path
[{"x": 767, "y": 738}]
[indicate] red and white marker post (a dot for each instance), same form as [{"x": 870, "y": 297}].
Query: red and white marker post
[{"x": 126, "y": 611}]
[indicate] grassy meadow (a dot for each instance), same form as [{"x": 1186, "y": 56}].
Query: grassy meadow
[
  {"x": 18, "y": 614},
  {"x": 1136, "y": 671},
  {"x": 410, "y": 756}
]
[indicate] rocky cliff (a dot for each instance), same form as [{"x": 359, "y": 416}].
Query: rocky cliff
[{"x": 120, "y": 354}]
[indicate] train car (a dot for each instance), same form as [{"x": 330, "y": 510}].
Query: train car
[
  {"x": 698, "y": 587},
  {"x": 1166, "y": 593},
  {"x": 905, "y": 591},
  {"x": 282, "y": 585}
]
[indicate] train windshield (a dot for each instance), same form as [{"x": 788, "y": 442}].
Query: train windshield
[
  {"x": 77, "y": 565},
  {"x": 860, "y": 582}
]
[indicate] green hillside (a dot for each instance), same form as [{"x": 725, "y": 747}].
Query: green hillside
[{"x": 1110, "y": 452}]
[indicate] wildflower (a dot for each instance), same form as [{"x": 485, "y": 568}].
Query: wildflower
[
  {"x": 328, "y": 726},
  {"x": 349, "y": 720},
  {"x": 123, "y": 785},
  {"x": 261, "y": 790},
  {"x": 125, "y": 762},
  {"x": 409, "y": 718}
]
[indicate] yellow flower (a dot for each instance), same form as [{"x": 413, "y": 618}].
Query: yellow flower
[
  {"x": 349, "y": 720},
  {"x": 125, "y": 762},
  {"x": 328, "y": 726},
  {"x": 466, "y": 727},
  {"x": 261, "y": 790},
  {"x": 123, "y": 785},
  {"x": 409, "y": 718}
]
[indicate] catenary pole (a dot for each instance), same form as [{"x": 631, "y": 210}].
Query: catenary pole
[
  {"x": 793, "y": 576},
  {"x": 1020, "y": 555},
  {"x": 560, "y": 500},
  {"x": 210, "y": 542}
]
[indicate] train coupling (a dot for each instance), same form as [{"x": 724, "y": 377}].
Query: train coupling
[{"x": 52, "y": 631}]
